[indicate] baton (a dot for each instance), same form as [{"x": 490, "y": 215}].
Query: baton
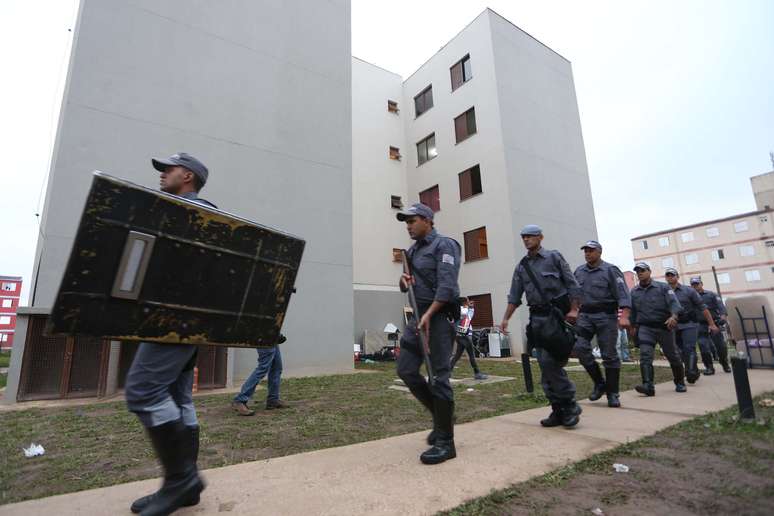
[{"x": 423, "y": 337}]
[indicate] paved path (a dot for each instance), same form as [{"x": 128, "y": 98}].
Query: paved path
[{"x": 386, "y": 477}]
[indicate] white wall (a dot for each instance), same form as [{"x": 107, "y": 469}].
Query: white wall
[{"x": 260, "y": 92}]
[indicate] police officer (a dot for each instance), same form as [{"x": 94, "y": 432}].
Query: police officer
[
  {"x": 560, "y": 287},
  {"x": 603, "y": 292},
  {"x": 707, "y": 338},
  {"x": 160, "y": 381},
  {"x": 434, "y": 262},
  {"x": 687, "y": 332},
  {"x": 654, "y": 314}
]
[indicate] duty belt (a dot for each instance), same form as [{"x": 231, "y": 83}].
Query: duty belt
[
  {"x": 604, "y": 308},
  {"x": 655, "y": 325}
]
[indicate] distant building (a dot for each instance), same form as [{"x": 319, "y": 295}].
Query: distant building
[
  {"x": 10, "y": 290},
  {"x": 739, "y": 247}
]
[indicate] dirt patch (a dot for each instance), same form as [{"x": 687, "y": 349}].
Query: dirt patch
[{"x": 709, "y": 465}]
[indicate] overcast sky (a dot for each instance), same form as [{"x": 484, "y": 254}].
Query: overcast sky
[{"x": 675, "y": 100}]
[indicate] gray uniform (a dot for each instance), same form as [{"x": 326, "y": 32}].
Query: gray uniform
[
  {"x": 556, "y": 281},
  {"x": 435, "y": 266},
  {"x": 603, "y": 291},
  {"x": 687, "y": 332},
  {"x": 160, "y": 381},
  {"x": 652, "y": 305},
  {"x": 707, "y": 339}
]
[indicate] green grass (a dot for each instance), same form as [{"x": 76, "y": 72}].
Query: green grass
[
  {"x": 682, "y": 453},
  {"x": 5, "y": 358},
  {"x": 102, "y": 444}
]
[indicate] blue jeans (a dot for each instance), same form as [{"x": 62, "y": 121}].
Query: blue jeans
[
  {"x": 269, "y": 361},
  {"x": 623, "y": 346}
]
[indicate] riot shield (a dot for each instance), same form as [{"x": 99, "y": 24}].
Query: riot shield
[{"x": 149, "y": 266}]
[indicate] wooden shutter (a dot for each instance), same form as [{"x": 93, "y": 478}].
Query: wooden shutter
[
  {"x": 460, "y": 128},
  {"x": 483, "y": 316},
  {"x": 456, "y": 76},
  {"x": 466, "y": 187},
  {"x": 431, "y": 197}
]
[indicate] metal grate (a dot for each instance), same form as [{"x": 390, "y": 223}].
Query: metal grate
[
  {"x": 85, "y": 368},
  {"x": 212, "y": 366},
  {"x": 41, "y": 376}
]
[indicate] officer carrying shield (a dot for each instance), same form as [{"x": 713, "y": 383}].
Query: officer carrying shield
[
  {"x": 160, "y": 381},
  {"x": 557, "y": 287},
  {"x": 687, "y": 331},
  {"x": 434, "y": 262},
  {"x": 707, "y": 338},
  {"x": 655, "y": 310},
  {"x": 603, "y": 292}
]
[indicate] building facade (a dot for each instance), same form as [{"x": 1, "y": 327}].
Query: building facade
[
  {"x": 487, "y": 133},
  {"x": 10, "y": 291},
  {"x": 740, "y": 248}
]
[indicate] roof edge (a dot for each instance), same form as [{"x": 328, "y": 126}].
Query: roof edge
[{"x": 713, "y": 221}]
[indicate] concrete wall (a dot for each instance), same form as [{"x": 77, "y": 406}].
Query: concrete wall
[
  {"x": 763, "y": 190},
  {"x": 259, "y": 91},
  {"x": 375, "y": 309}
]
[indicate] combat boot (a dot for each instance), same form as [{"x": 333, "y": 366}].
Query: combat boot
[
  {"x": 611, "y": 387},
  {"x": 723, "y": 358},
  {"x": 709, "y": 369},
  {"x": 599, "y": 382},
  {"x": 678, "y": 376},
  {"x": 182, "y": 484},
  {"x": 554, "y": 418},
  {"x": 193, "y": 434},
  {"x": 692, "y": 369},
  {"x": 443, "y": 449},
  {"x": 570, "y": 414},
  {"x": 646, "y": 387}
]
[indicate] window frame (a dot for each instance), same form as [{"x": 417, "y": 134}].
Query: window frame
[
  {"x": 5, "y": 317},
  {"x": 743, "y": 250},
  {"x": 644, "y": 245},
  {"x": 713, "y": 234},
  {"x": 4, "y": 305},
  {"x": 741, "y": 223},
  {"x": 687, "y": 237},
  {"x": 724, "y": 276},
  {"x": 755, "y": 272},
  {"x": 437, "y": 198},
  {"x": 392, "y": 107},
  {"x": 671, "y": 262},
  {"x": 427, "y": 149},
  {"x": 661, "y": 241},
  {"x": 467, "y": 120},
  {"x": 423, "y": 93},
  {"x": 396, "y": 156},
  {"x": 399, "y": 203},
  {"x": 695, "y": 257},
  {"x": 486, "y": 244},
  {"x": 470, "y": 173},
  {"x": 466, "y": 75}
]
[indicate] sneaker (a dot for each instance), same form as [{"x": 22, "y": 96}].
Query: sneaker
[
  {"x": 275, "y": 404},
  {"x": 242, "y": 409},
  {"x": 680, "y": 387},
  {"x": 480, "y": 376}
]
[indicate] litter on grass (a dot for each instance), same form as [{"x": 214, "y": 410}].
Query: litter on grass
[
  {"x": 34, "y": 450},
  {"x": 621, "y": 468}
]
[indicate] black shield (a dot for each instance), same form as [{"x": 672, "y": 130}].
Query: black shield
[{"x": 149, "y": 266}]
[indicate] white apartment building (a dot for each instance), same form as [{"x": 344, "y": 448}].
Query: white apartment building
[
  {"x": 739, "y": 247},
  {"x": 487, "y": 133}
]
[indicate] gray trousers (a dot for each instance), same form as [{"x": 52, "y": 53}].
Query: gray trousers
[
  {"x": 686, "y": 337},
  {"x": 410, "y": 359},
  {"x": 648, "y": 337},
  {"x": 605, "y": 327},
  {"x": 708, "y": 340},
  {"x": 159, "y": 384},
  {"x": 557, "y": 386}
]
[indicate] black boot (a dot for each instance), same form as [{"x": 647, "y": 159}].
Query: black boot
[
  {"x": 611, "y": 387},
  {"x": 425, "y": 397},
  {"x": 678, "y": 376},
  {"x": 193, "y": 434},
  {"x": 554, "y": 418},
  {"x": 182, "y": 485},
  {"x": 443, "y": 449},
  {"x": 570, "y": 414},
  {"x": 647, "y": 388},
  {"x": 709, "y": 370},
  {"x": 599, "y": 382},
  {"x": 723, "y": 358},
  {"x": 691, "y": 368}
]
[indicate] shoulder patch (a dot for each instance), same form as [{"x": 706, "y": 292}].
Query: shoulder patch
[
  {"x": 447, "y": 258},
  {"x": 621, "y": 281},
  {"x": 671, "y": 292}
]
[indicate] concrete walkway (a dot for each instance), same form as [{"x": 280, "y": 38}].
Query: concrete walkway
[{"x": 386, "y": 477}]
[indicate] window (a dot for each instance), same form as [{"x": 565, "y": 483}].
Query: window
[
  {"x": 423, "y": 101},
  {"x": 483, "y": 316},
  {"x": 746, "y": 250},
  {"x": 426, "y": 149},
  {"x": 7, "y": 303},
  {"x": 465, "y": 125},
  {"x": 667, "y": 262},
  {"x": 470, "y": 182},
  {"x": 692, "y": 258},
  {"x": 763, "y": 218},
  {"x": 4, "y": 319},
  {"x": 687, "y": 237},
  {"x": 724, "y": 278},
  {"x": 713, "y": 232},
  {"x": 395, "y": 153},
  {"x": 752, "y": 275},
  {"x": 396, "y": 201},
  {"x": 475, "y": 244},
  {"x": 645, "y": 244},
  {"x": 718, "y": 255},
  {"x": 3, "y": 337},
  {"x": 461, "y": 72},
  {"x": 397, "y": 255},
  {"x": 739, "y": 227},
  {"x": 392, "y": 106},
  {"x": 9, "y": 287},
  {"x": 663, "y": 241},
  {"x": 769, "y": 243},
  {"x": 432, "y": 198}
]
